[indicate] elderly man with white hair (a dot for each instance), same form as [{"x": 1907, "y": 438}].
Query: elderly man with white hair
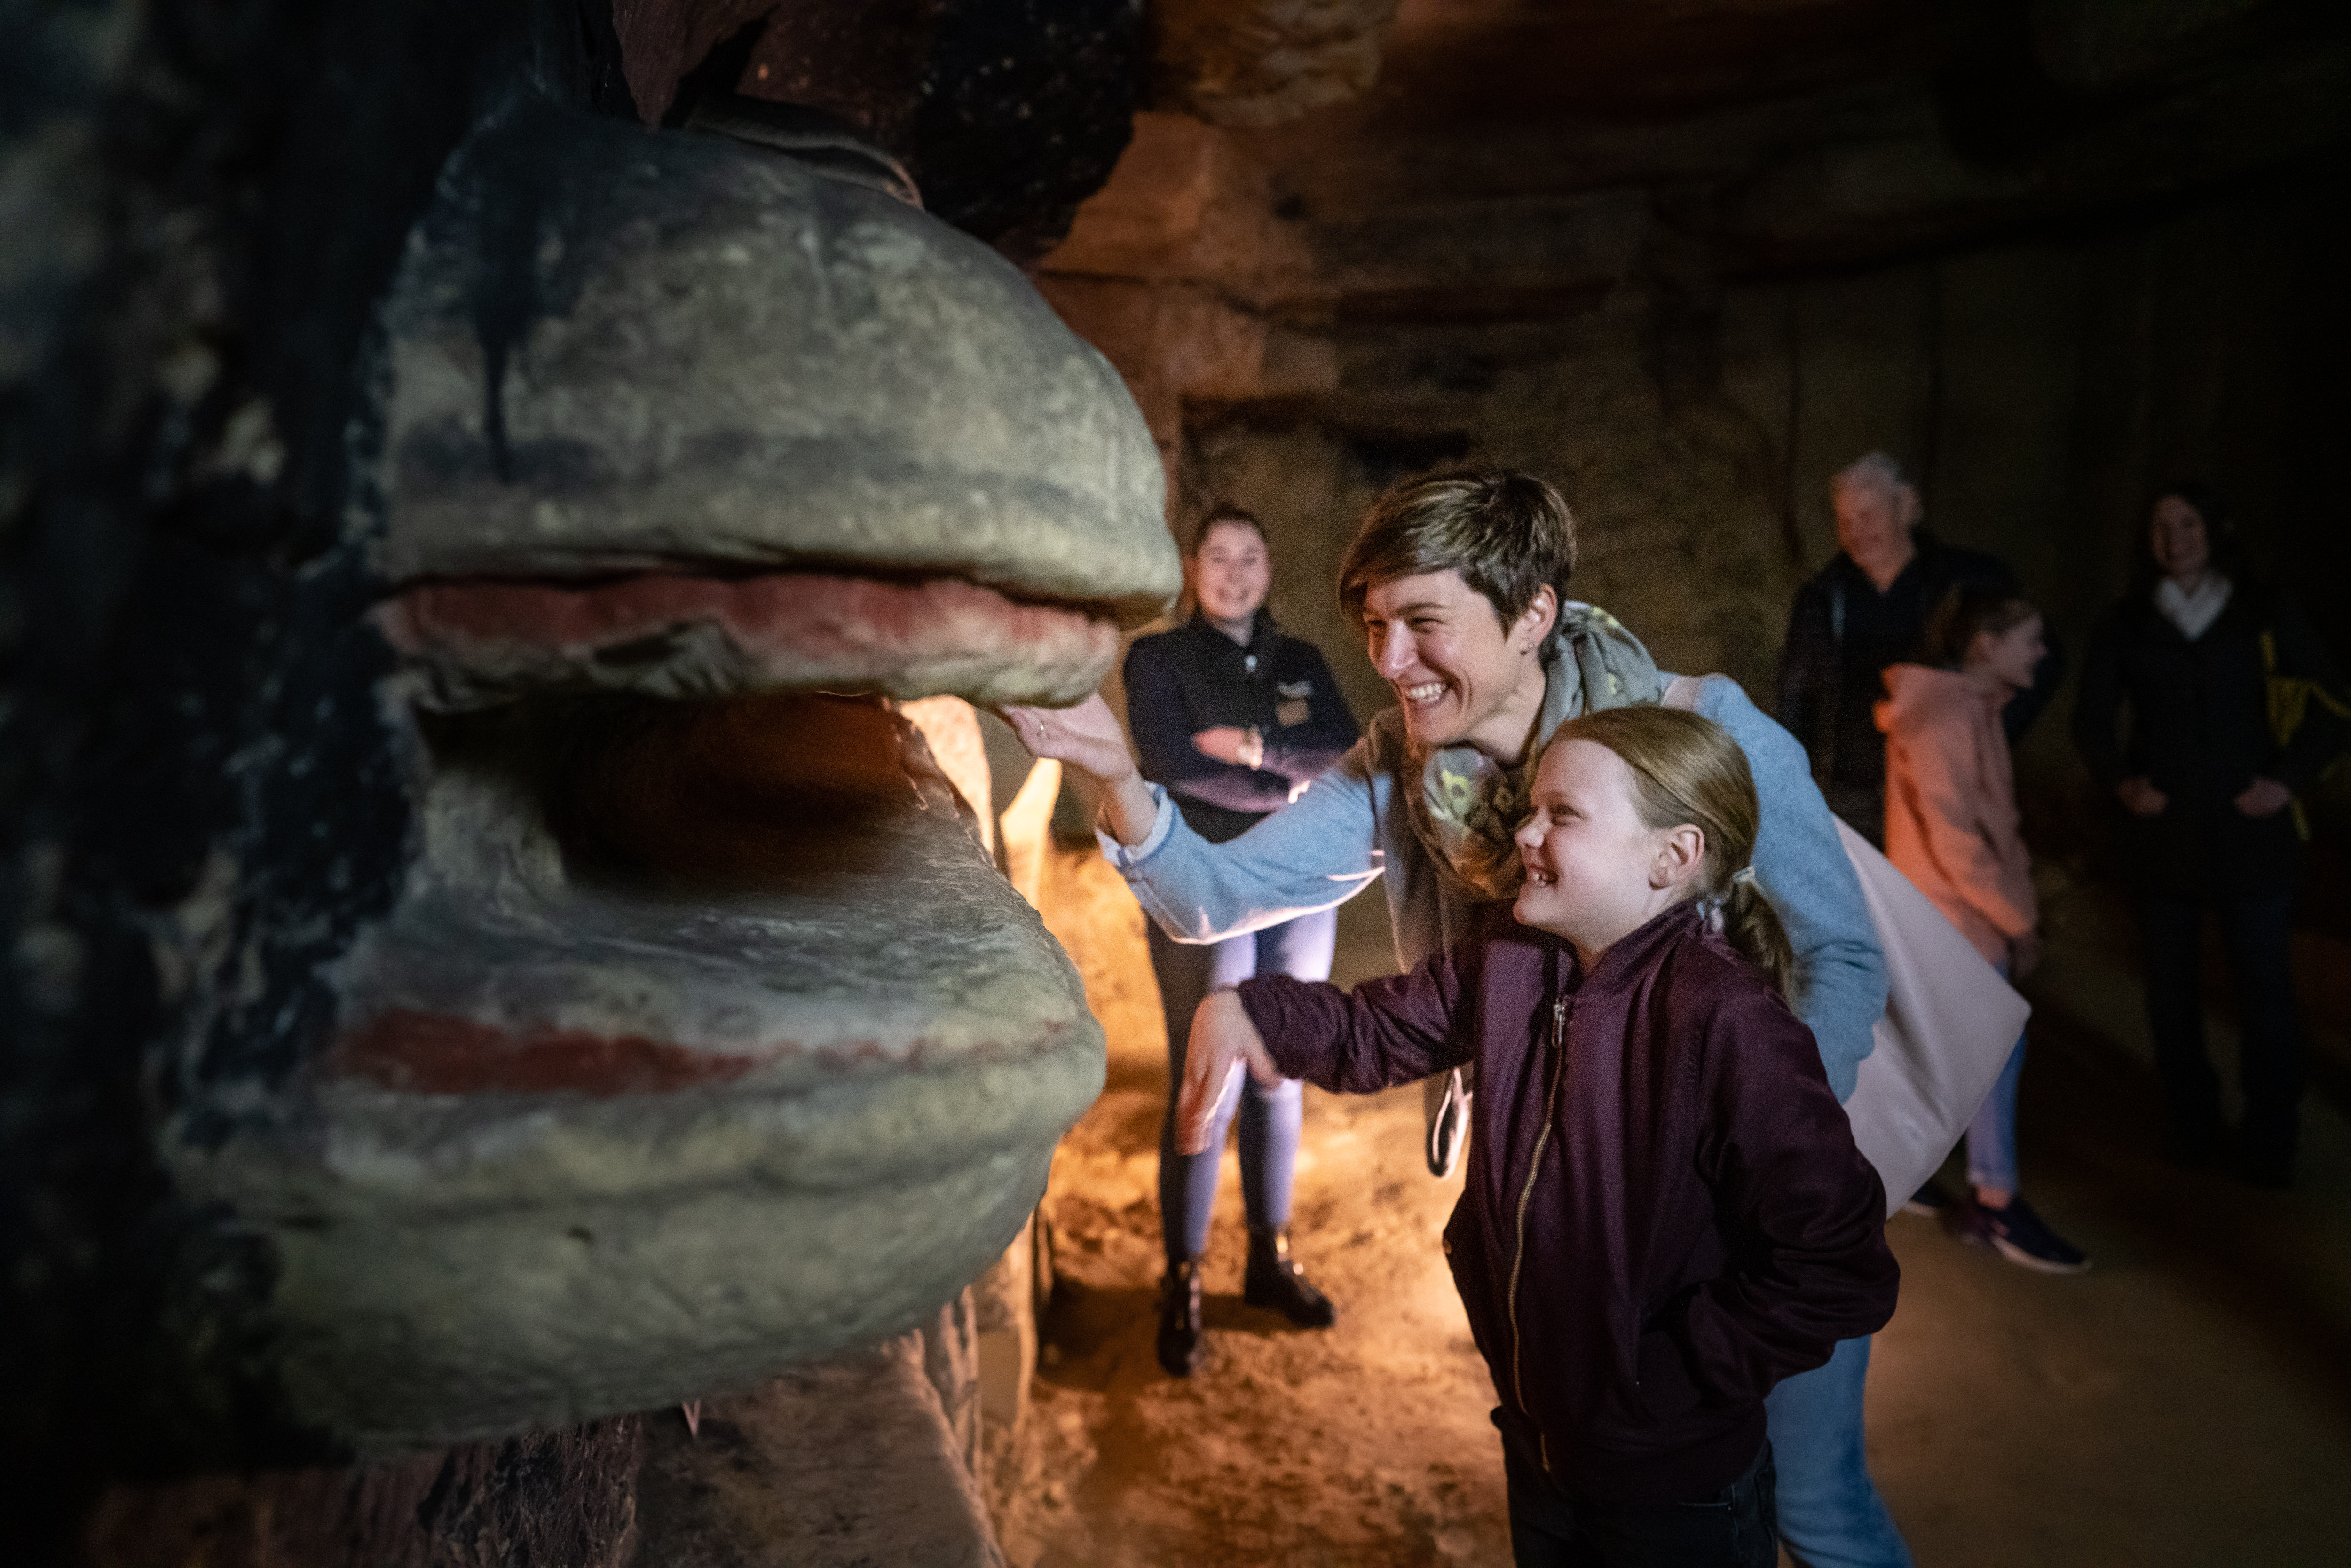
[{"x": 1864, "y": 610}]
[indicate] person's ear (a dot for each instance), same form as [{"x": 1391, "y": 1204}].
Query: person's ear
[
  {"x": 1907, "y": 507},
  {"x": 1536, "y": 621},
  {"x": 1681, "y": 855}
]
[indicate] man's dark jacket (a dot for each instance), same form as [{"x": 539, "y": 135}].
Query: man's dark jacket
[
  {"x": 1842, "y": 634},
  {"x": 2199, "y": 730},
  {"x": 1665, "y": 1213},
  {"x": 1194, "y": 678}
]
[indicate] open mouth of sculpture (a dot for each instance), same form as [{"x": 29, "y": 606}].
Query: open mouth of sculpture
[
  {"x": 640, "y": 895},
  {"x": 678, "y": 834}
]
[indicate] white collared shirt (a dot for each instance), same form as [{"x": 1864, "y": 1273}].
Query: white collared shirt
[{"x": 2193, "y": 613}]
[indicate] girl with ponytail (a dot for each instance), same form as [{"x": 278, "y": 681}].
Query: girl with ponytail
[
  {"x": 1665, "y": 1213},
  {"x": 1687, "y": 770}
]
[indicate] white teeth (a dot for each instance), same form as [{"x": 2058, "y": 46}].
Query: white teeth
[{"x": 1425, "y": 693}]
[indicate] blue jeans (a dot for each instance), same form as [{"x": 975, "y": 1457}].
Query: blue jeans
[
  {"x": 1829, "y": 1512},
  {"x": 1992, "y": 1136},
  {"x": 1269, "y": 1117},
  {"x": 1553, "y": 1528}
]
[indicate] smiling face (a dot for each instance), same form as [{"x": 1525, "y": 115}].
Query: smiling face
[
  {"x": 1594, "y": 870},
  {"x": 2009, "y": 658},
  {"x": 1461, "y": 675},
  {"x": 1873, "y": 524},
  {"x": 1231, "y": 572},
  {"x": 2179, "y": 541}
]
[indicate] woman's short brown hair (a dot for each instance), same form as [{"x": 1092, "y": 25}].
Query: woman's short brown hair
[{"x": 1507, "y": 534}]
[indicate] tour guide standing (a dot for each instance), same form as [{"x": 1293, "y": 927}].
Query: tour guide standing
[
  {"x": 1233, "y": 717},
  {"x": 1458, "y": 580}
]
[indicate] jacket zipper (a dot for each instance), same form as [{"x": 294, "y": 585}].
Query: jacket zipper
[{"x": 1526, "y": 1197}]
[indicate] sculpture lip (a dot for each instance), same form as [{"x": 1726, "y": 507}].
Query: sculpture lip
[{"x": 482, "y": 640}]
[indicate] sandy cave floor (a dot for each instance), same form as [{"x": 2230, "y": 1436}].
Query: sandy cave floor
[{"x": 2187, "y": 1402}]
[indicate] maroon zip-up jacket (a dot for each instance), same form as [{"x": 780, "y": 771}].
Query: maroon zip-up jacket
[{"x": 1665, "y": 1213}]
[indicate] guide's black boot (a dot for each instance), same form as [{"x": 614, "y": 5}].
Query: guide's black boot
[
  {"x": 1275, "y": 1280},
  {"x": 1179, "y": 1318}
]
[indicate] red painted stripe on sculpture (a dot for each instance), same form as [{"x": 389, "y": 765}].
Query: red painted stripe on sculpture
[
  {"x": 821, "y": 619},
  {"x": 417, "y": 1052},
  {"x": 434, "y": 1053}
]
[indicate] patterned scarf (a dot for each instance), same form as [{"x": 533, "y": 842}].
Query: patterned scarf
[{"x": 1468, "y": 805}]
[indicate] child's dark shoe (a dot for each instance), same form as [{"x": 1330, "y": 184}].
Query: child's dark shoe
[{"x": 2018, "y": 1234}]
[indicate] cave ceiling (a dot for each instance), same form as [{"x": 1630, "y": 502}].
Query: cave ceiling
[{"x": 1507, "y": 150}]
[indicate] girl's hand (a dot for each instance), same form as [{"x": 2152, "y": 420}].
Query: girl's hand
[
  {"x": 2264, "y": 798},
  {"x": 2141, "y": 799},
  {"x": 1222, "y": 1040}
]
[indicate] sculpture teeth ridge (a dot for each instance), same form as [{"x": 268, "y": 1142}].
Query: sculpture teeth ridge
[{"x": 482, "y": 643}]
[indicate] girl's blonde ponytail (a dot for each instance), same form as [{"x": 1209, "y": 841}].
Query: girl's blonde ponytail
[{"x": 1753, "y": 926}]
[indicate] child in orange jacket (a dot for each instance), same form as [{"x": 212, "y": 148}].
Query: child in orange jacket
[{"x": 1951, "y": 828}]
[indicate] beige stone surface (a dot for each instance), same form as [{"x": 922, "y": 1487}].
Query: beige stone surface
[
  {"x": 1263, "y": 62},
  {"x": 863, "y": 1458}
]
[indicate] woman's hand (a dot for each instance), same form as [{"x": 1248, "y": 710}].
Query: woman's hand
[
  {"x": 1230, "y": 743},
  {"x": 1087, "y": 737},
  {"x": 2264, "y": 798},
  {"x": 1222, "y": 1039},
  {"x": 2141, "y": 799}
]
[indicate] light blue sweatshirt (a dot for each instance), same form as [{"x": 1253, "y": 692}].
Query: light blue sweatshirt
[{"x": 1351, "y": 825}]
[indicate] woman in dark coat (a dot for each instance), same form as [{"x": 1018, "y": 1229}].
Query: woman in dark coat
[
  {"x": 2174, "y": 719},
  {"x": 1234, "y": 716}
]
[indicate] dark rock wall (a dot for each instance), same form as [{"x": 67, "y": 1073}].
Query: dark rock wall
[
  {"x": 201, "y": 798},
  {"x": 201, "y": 795}
]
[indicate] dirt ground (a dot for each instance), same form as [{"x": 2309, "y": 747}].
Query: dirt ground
[{"x": 2188, "y": 1401}]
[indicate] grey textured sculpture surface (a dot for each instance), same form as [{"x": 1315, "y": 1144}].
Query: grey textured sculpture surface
[
  {"x": 618, "y": 353},
  {"x": 703, "y": 1038}
]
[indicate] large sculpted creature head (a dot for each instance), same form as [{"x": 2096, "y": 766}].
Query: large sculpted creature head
[
  {"x": 584, "y": 988},
  {"x": 704, "y": 1038}
]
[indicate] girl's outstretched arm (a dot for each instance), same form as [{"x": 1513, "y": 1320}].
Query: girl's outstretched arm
[
  {"x": 1222, "y": 1040},
  {"x": 1397, "y": 1029}
]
